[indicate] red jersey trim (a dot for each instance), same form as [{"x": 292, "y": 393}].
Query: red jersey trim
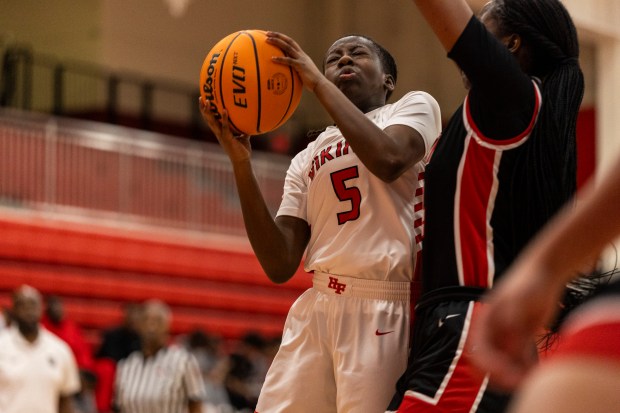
[
  {"x": 502, "y": 144},
  {"x": 477, "y": 183}
]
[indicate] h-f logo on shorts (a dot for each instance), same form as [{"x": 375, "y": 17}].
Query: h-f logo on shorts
[{"x": 335, "y": 285}]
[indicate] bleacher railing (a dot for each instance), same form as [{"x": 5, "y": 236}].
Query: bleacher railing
[
  {"x": 42, "y": 83},
  {"x": 107, "y": 172}
]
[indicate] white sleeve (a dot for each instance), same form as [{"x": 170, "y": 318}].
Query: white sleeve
[
  {"x": 295, "y": 197},
  {"x": 420, "y": 111},
  {"x": 71, "y": 378}
]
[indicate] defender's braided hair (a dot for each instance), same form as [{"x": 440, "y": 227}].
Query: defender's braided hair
[{"x": 549, "y": 160}]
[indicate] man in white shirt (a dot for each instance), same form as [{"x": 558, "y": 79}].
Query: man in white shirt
[{"x": 38, "y": 372}]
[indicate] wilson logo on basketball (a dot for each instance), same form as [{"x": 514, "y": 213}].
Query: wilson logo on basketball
[{"x": 208, "y": 88}]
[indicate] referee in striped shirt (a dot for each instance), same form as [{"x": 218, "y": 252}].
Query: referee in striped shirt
[{"x": 158, "y": 378}]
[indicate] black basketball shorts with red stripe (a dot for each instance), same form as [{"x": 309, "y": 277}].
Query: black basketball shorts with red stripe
[{"x": 439, "y": 375}]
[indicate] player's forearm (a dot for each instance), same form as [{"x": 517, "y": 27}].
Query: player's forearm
[
  {"x": 269, "y": 243},
  {"x": 447, "y": 18},
  {"x": 380, "y": 153}
]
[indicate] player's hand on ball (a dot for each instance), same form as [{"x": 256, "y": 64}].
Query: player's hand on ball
[
  {"x": 296, "y": 58},
  {"x": 236, "y": 146}
]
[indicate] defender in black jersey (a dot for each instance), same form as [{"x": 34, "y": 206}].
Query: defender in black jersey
[
  {"x": 503, "y": 166},
  {"x": 582, "y": 372}
]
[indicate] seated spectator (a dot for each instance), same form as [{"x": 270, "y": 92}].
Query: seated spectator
[
  {"x": 214, "y": 365},
  {"x": 116, "y": 344},
  {"x": 248, "y": 368},
  {"x": 84, "y": 401},
  {"x": 119, "y": 342}
]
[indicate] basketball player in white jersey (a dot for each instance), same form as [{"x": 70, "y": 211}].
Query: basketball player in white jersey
[{"x": 353, "y": 202}]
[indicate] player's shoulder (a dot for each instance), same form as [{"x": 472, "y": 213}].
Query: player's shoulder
[
  {"x": 418, "y": 95},
  {"x": 301, "y": 156},
  {"x": 416, "y": 99}
]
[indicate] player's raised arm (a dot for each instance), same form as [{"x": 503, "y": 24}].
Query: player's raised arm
[
  {"x": 447, "y": 18},
  {"x": 278, "y": 244},
  {"x": 348, "y": 65}
]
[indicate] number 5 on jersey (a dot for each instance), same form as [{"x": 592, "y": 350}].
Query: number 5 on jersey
[{"x": 345, "y": 193}]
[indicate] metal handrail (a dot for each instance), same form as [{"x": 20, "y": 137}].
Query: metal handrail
[
  {"x": 107, "y": 172},
  {"x": 43, "y": 83}
]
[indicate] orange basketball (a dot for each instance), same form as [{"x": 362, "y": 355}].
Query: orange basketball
[{"x": 238, "y": 75}]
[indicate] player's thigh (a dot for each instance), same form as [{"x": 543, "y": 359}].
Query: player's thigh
[
  {"x": 571, "y": 385},
  {"x": 371, "y": 354},
  {"x": 301, "y": 377}
]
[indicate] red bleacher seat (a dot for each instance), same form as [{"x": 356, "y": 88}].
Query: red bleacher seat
[{"x": 95, "y": 270}]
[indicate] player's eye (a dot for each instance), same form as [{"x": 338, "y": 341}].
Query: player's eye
[{"x": 332, "y": 59}]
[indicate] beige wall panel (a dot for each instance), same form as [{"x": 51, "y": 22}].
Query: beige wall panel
[
  {"x": 142, "y": 36},
  {"x": 62, "y": 28}
]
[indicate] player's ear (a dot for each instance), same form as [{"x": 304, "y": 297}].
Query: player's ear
[
  {"x": 388, "y": 81},
  {"x": 513, "y": 43}
]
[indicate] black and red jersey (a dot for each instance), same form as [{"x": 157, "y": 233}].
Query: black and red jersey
[
  {"x": 473, "y": 206},
  {"x": 487, "y": 193}
]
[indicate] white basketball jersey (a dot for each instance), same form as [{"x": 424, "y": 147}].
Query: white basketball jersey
[{"x": 361, "y": 226}]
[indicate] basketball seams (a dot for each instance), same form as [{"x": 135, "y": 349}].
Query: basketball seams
[
  {"x": 221, "y": 76},
  {"x": 288, "y": 112},
  {"x": 258, "y": 84}
]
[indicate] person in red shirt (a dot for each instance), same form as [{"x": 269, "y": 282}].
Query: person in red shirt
[{"x": 54, "y": 321}]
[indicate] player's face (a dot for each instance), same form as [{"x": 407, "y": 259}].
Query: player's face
[{"x": 352, "y": 64}]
